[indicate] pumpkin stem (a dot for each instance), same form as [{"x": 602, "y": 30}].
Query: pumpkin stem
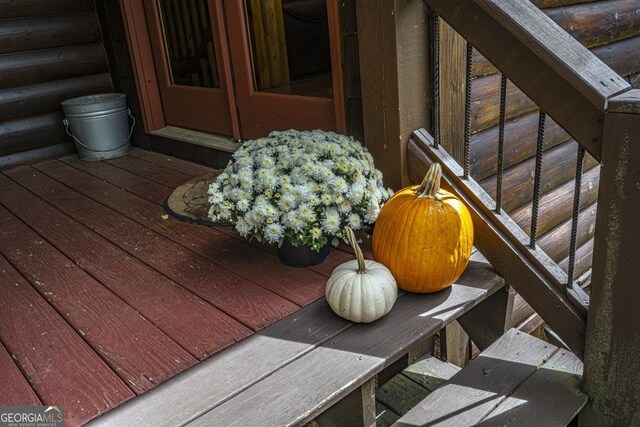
[
  {"x": 362, "y": 268},
  {"x": 431, "y": 183}
]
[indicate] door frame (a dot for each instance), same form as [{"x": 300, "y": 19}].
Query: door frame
[
  {"x": 146, "y": 79},
  {"x": 144, "y": 71},
  {"x": 189, "y": 104}
]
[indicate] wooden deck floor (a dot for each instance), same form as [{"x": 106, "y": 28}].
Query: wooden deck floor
[{"x": 101, "y": 298}]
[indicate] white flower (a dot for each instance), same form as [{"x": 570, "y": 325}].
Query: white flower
[
  {"x": 216, "y": 198},
  {"x": 307, "y": 213},
  {"x": 315, "y": 233},
  {"x": 294, "y": 221},
  {"x": 273, "y": 232},
  {"x": 307, "y": 185},
  {"x": 331, "y": 222},
  {"x": 243, "y": 205},
  {"x": 326, "y": 199},
  {"x": 243, "y": 227},
  {"x": 344, "y": 207},
  {"x": 340, "y": 184},
  {"x": 373, "y": 209},
  {"x": 354, "y": 221},
  {"x": 287, "y": 202}
]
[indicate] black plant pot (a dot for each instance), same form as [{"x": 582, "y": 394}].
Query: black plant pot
[{"x": 301, "y": 255}]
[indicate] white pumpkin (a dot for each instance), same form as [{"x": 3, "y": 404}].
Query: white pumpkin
[{"x": 361, "y": 290}]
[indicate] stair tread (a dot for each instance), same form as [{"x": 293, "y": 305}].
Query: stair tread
[
  {"x": 514, "y": 381},
  {"x": 430, "y": 372}
]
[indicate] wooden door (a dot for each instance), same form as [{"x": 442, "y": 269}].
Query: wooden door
[
  {"x": 192, "y": 64},
  {"x": 286, "y": 64}
]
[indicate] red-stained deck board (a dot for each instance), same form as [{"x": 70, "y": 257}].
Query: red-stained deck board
[
  {"x": 301, "y": 286},
  {"x": 139, "y": 353},
  {"x": 156, "y": 192},
  {"x": 243, "y": 300},
  {"x": 188, "y": 168},
  {"x": 61, "y": 367},
  {"x": 196, "y": 325},
  {"x": 14, "y": 387},
  {"x": 153, "y": 171}
]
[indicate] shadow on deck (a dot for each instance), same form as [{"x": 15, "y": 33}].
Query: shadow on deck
[{"x": 103, "y": 299}]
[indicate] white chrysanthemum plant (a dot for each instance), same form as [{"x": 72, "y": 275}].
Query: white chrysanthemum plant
[{"x": 304, "y": 186}]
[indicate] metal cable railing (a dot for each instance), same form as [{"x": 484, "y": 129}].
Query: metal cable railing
[
  {"x": 538, "y": 188},
  {"x": 537, "y": 181},
  {"x": 501, "y": 120},
  {"x": 436, "y": 77}
]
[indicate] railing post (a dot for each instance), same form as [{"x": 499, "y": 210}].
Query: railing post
[
  {"x": 394, "y": 61},
  {"x": 612, "y": 366}
]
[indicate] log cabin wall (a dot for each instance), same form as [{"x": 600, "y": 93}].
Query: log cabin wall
[
  {"x": 611, "y": 30},
  {"x": 49, "y": 51}
]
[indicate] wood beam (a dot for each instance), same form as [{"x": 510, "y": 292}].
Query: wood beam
[
  {"x": 501, "y": 241},
  {"x": 394, "y": 64},
  {"x": 546, "y": 63},
  {"x": 611, "y": 373}
]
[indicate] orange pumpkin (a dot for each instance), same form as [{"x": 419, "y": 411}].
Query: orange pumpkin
[{"x": 424, "y": 236}]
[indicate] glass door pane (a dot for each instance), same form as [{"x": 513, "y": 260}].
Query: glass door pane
[
  {"x": 290, "y": 46},
  {"x": 192, "y": 67},
  {"x": 188, "y": 40}
]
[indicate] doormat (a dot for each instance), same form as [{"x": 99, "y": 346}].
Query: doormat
[{"x": 190, "y": 201}]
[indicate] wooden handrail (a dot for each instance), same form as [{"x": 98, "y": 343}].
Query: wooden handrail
[
  {"x": 503, "y": 243},
  {"x": 559, "y": 74},
  {"x": 602, "y": 113}
]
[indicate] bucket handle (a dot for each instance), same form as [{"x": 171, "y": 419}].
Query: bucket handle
[{"x": 66, "y": 124}]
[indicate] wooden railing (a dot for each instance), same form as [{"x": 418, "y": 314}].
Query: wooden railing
[{"x": 600, "y": 111}]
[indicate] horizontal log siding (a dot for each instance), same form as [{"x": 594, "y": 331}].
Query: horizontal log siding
[
  {"x": 21, "y": 35},
  {"x": 611, "y": 30},
  {"x": 12, "y": 9},
  {"x": 49, "y": 52},
  {"x": 593, "y": 24}
]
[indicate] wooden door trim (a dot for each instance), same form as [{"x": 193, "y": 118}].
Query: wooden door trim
[
  {"x": 196, "y": 107},
  {"x": 336, "y": 66},
  {"x": 146, "y": 79},
  {"x": 297, "y": 112},
  {"x": 144, "y": 71},
  {"x": 223, "y": 45}
]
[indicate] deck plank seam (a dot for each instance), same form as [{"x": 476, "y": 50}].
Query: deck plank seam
[
  {"x": 15, "y": 361},
  {"x": 148, "y": 179},
  {"x": 149, "y": 226},
  {"x": 165, "y": 236},
  {"x": 120, "y": 166},
  {"x": 133, "y": 254},
  {"x": 48, "y": 302},
  {"x": 503, "y": 398},
  {"x": 263, "y": 376},
  {"x": 67, "y": 322},
  {"x": 95, "y": 277},
  {"x": 169, "y": 189},
  {"x": 150, "y": 155},
  {"x": 303, "y": 353},
  {"x": 77, "y": 330}
]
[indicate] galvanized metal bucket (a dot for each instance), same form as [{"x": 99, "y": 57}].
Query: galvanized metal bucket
[{"x": 99, "y": 125}]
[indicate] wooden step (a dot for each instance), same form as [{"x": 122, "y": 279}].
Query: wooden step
[
  {"x": 414, "y": 383},
  {"x": 519, "y": 380},
  {"x": 310, "y": 362}
]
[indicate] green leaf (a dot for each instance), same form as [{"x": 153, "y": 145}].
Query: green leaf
[{"x": 335, "y": 242}]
